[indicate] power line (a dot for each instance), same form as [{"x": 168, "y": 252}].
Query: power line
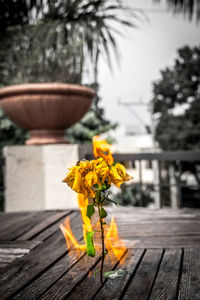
[
  {"x": 140, "y": 103},
  {"x": 130, "y": 104}
]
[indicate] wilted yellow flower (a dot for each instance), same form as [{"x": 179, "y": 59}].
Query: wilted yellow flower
[
  {"x": 84, "y": 177},
  {"x": 118, "y": 175}
]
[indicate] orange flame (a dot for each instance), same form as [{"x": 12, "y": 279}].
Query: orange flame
[
  {"x": 82, "y": 204},
  {"x": 115, "y": 246},
  {"x": 71, "y": 241},
  {"x": 102, "y": 149}
]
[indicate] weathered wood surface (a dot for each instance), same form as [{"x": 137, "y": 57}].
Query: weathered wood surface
[{"x": 163, "y": 260}]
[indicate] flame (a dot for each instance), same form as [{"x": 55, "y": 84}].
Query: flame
[
  {"x": 71, "y": 241},
  {"x": 102, "y": 149},
  {"x": 114, "y": 245},
  {"x": 82, "y": 204},
  {"x": 90, "y": 273}
]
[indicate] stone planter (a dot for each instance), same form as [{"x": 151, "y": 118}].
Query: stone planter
[{"x": 45, "y": 109}]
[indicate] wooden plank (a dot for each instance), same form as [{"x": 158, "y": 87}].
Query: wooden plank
[
  {"x": 113, "y": 289},
  {"x": 10, "y": 251},
  {"x": 9, "y": 220},
  {"x": 3, "y": 265},
  {"x": 25, "y": 269},
  {"x": 8, "y": 258},
  {"x": 7, "y": 217},
  {"x": 16, "y": 227},
  {"x": 172, "y": 228},
  {"x": 62, "y": 288},
  {"x": 166, "y": 283},
  {"x": 16, "y": 246},
  {"x": 81, "y": 291},
  {"x": 36, "y": 288},
  {"x": 162, "y": 241},
  {"x": 142, "y": 282},
  {"x": 46, "y": 233},
  {"x": 46, "y": 223},
  {"x": 190, "y": 278}
]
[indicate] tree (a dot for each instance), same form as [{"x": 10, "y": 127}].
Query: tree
[
  {"x": 176, "y": 105},
  {"x": 189, "y": 8},
  {"x": 60, "y": 36}
]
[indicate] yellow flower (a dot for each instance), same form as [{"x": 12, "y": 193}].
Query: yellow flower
[
  {"x": 74, "y": 180},
  {"x": 86, "y": 174},
  {"x": 103, "y": 169},
  {"x": 118, "y": 175},
  {"x": 92, "y": 178},
  {"x": 82, "y": 178}
]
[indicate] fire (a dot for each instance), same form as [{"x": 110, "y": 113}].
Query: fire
[
  {"x": 71, "y": 241},
  {"x": 102, "y": 149},
  {"x": 114, "y": 245},
  {"x": 82, "y": 204}
]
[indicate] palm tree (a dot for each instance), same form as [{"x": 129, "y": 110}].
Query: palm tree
[
  {"x": 61, "y": 38},
  {"x": 189, "y": 8}
]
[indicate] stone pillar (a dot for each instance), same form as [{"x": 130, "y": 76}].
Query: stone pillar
[{"x": 33, "y": 177}]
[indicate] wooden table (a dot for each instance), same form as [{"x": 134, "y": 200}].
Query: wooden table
[{"x": 163, "y": 258}]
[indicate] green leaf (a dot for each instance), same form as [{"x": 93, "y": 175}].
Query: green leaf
[
  {"x": 90, "y": 244},
  {"x": 95, "y": 273},
  {"x": 90, "y": 211},
  {"x": 103, "y": 186},
  {"x": 103, "y": 213}
]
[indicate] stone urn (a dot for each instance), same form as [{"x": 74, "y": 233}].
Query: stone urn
[{"x": 45, "y": 109}]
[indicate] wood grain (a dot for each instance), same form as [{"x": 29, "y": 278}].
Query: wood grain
[
  {"x": 46, "y": 271},
  {"x": 190, "y": 277},
  {"x": 81, "y": 291},
  {"x": 166, "y": 283},
  {"x": 37, "y": 287},
  {"x": 62, "y": 288},
  {"x": 113, "y": 289},
  {"x": 44, "y": 226},
  {"x": 16, "y": 226},
  {"x": 27, "y": 268},
  {"x": 145, "y": 275}
]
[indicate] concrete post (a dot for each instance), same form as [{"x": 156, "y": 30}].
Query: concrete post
[{"x": 33, "y": 177}]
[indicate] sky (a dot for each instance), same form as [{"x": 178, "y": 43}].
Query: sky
[{"x": 145, "y": 51}]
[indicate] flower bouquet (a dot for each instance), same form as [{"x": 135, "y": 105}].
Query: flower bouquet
[{"x": 91, "y": 179}]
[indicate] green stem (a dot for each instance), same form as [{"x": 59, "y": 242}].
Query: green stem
[{"x": 102, "y": 238}]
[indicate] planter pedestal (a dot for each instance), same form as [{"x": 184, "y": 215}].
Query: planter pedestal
[
  {"x": 34, "y": 174},
  {"x": 46, "y": 136}
]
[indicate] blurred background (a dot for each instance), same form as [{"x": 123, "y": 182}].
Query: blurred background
[{"x": 142, "y": 57}]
